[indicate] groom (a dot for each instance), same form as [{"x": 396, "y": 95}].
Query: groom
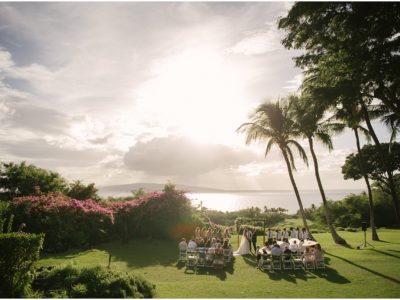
[{"x": 254, "y": 240}]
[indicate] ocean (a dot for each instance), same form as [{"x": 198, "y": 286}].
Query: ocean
[{"x": 285, "y": 199}]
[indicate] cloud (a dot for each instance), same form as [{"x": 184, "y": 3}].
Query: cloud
[
  {"x": 180, "y": 156},
  {"x": 40, "y": 150},
  {"x": 258, "y": 42},
  {"x": 294, "y": 84}
]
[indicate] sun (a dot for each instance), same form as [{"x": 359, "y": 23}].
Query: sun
[{"x": 195, "y": 92}]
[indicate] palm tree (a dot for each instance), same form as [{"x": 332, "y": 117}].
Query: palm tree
[
  {"x": 308, "y": 118},
  {"x": 352, "y": 117},
  {"x": 270, "y": 122}
]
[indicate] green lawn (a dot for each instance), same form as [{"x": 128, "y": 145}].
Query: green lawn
[{"x": 367, "y": 273}]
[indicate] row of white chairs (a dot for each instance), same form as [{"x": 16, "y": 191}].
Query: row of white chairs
[
  {"x": 290, "y": 262},
  {"x": 204, "y": 257}
]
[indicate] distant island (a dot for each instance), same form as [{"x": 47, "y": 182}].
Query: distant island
[{"x": 119, "y": 189}]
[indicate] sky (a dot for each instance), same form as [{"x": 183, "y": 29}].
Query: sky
[{"x": 131, "y": 92}]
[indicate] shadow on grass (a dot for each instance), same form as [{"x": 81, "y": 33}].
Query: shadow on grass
[
  {"x": 367, "y": 269},
  {"x": 386, "y": 253},
  {"x": 72, "y": 253},
  {"x": 143, "y": 252},
  {"x": 219, "y": 273}
]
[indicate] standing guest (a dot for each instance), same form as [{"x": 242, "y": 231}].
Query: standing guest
[
  {"x": 207, "y": 243},
  {"x": 278, "y": 234},
  {"x": 270, "y": 236},
  {"x": 204, "y": 232},
  {"x": 192, "y": 246},
  {"x": 183, "y": 245},
  {"x": 285, "y": 235},
  {"x": 299, "y": 233},
  {"x": 197, "y": 233},
  {"x": 218, "y": 234},
  {"x": 249, "y": 237},
  {"x": 209, "y": 233},
  {"x": 226, "y": 234},
  {"x": 293, "y": 233},
  {"x": 306, "y": 234},
  {"x": 213, "y": 242},
  {"x": 225, "y": 245}
]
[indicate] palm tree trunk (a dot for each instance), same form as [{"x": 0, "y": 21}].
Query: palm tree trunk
[
  {"x": 337, "y": 239},
  {"x": 370, "y": 200},
  {"x": 296, "y": 191},
  {"x": 384, "y": 162}
]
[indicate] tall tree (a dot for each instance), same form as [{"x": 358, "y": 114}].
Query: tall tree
[
  {"x": 309, "y": 120},
  {"x": 352, "y": 117},
  {"x": 270, "y": 122},
  {"x": 351, "y": 54}
]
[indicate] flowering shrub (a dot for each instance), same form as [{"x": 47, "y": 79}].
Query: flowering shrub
[
  {"x": 73, "y": 223},
  {"x": 67, "y": 222},
  {"x": 157, "y": 214}
]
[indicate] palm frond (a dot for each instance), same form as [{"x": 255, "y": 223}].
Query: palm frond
[
  {"x": 289, "y": 155},
  {"x": 271, "y": 142},
  {"x": 325, "y": 139},
  {"x": 302, "y": 153}
]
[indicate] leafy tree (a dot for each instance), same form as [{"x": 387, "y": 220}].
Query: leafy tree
[
  {"x": 351, "y": 55},
  {"x": 271, "y": 122},
  {"x": 369, "y": 162},
  {"x": 372, "y": 164},
  {"x": 80, "y": 191},
  {"x": 23, "y": 179},
  {"x": 309, "y": 120}
]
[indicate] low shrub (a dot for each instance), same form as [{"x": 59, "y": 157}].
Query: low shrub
[
  {"x": 19, "y": 252},
  {"x": 91, "y": 282},
  {"x": 351, "y": 229}
]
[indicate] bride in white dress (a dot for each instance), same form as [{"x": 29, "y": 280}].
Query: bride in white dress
[{"x": 244, "y": 247}]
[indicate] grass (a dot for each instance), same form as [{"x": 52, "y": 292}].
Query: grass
[{"x": 350, "y": 273}]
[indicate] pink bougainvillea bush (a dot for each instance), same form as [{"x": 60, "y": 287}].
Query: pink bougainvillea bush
[
  {"x": 70, "y": 223},
  {"x": 157, "y": 214},
  {"x": 67, "y": 222}
]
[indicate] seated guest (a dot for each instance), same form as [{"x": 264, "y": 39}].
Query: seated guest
[
  {"x": 258, "y": 255},
  {"x": 265, "y": 249},
  {"x": 219, "y": 257},
  {"x": 301, "y": 247},
  {"x": 287, "y": 253},
  {"x": 213, "y": 242},
  {"x": 226, "y": 244},
  {"x": 308, "y": 255},
  {"x": 318, "y": 253},
  {"x": 276, "y": 250},
  {"x": 294, "y": 247},
  {"x": 183, "y": 245},
  {"x": 192, "y": 246}
]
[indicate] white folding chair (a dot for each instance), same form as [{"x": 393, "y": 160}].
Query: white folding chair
[
  {"x": 320, "y": 262},
  {"x": 266, "y": 262},
  {"x": 297, "y": 261},
  {"x": 276, "y": 262},
  {"x": 287, "y": 262},
  {"x": 182, "y": 255},
  {"x": 227, "y": 256},
  {"x": 201, "y": 257},
  {"x": 191, "y": 258}
]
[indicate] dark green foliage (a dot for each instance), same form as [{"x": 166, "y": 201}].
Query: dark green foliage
[
  {"x": 93, "y": 282},
  {"x": 77, "y": 190},
  {"x": 19, "y": 252},
  {"x": 10, "y": 223},
  {"x": 23, "y": 179}
]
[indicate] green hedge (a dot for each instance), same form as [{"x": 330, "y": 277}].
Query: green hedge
[
  {"x": 93, "y": 282},
  {"x": 19, "y": 252}
]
